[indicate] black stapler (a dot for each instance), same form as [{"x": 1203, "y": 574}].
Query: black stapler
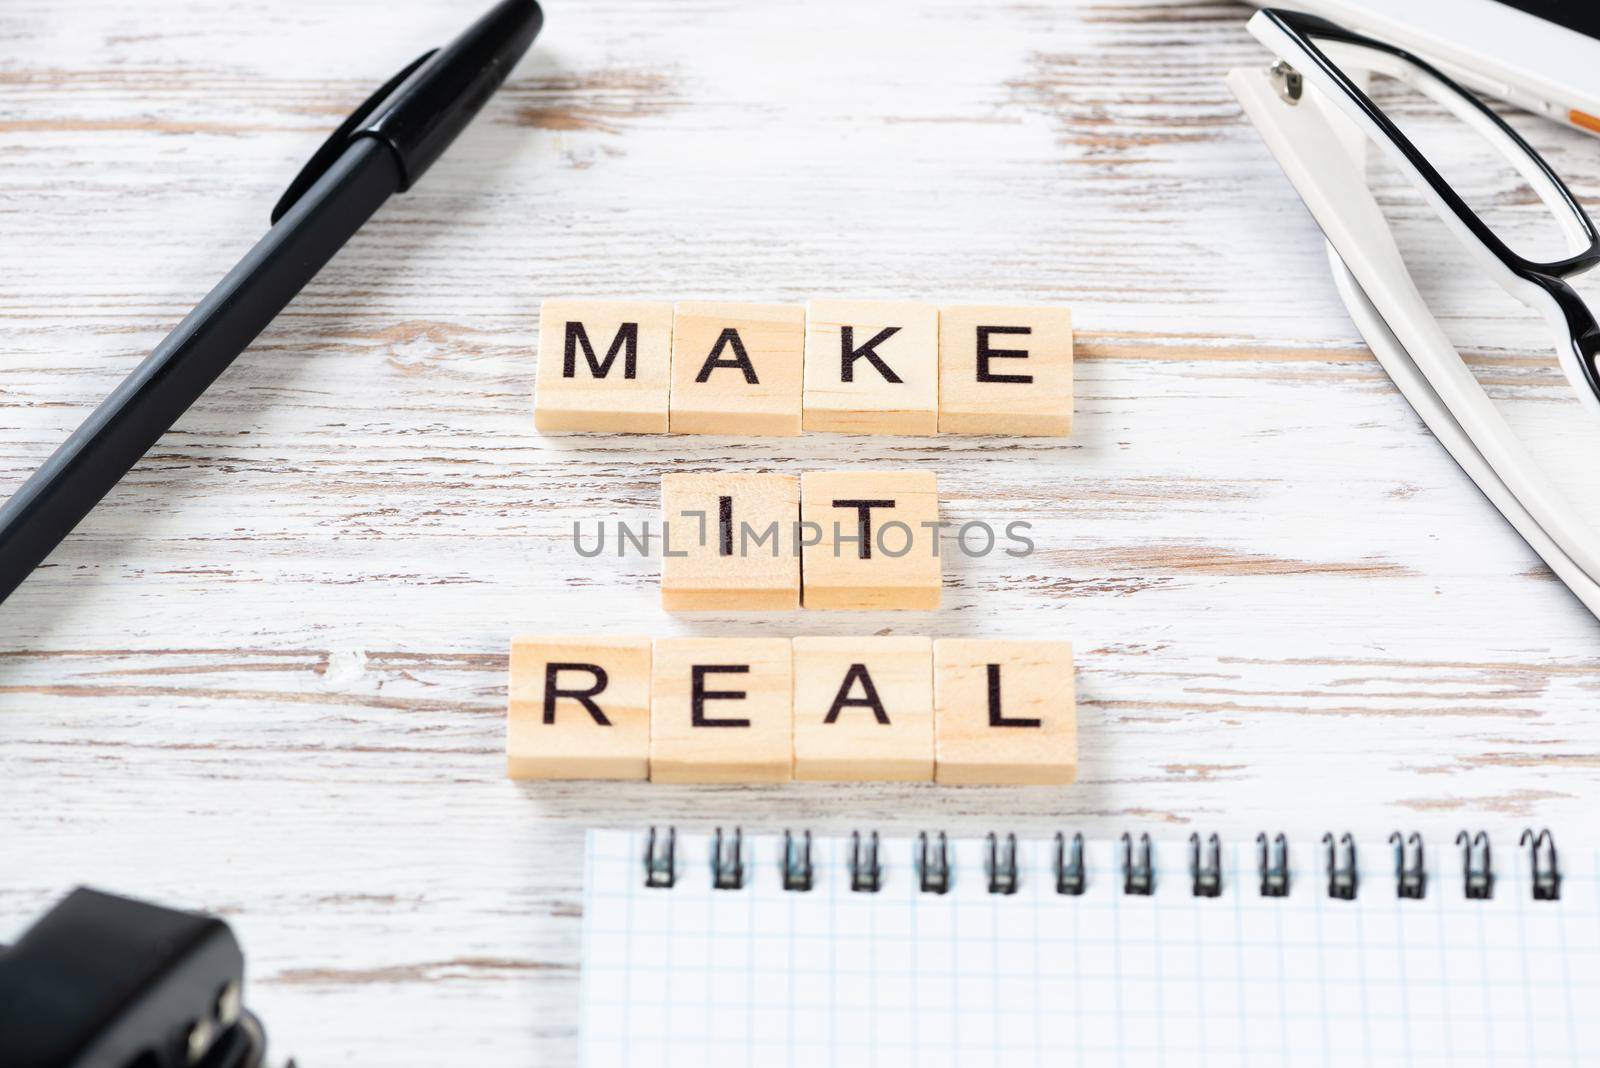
[{"x": 107, "y": 982}]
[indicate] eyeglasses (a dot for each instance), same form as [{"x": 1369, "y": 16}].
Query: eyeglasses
[
  {"x": 1303, "y": 44},
  {"x": 1319, "y": 123}
]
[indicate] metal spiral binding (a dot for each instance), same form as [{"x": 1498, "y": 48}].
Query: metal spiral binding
[
  {"x": 1409, "y": 882},
  {"x": 1205, "y": 880},
  {"x": 933, "y": 868},
  {"x": 1546, "y": 878},
  {"x": 1342, "y": 882},
  {"x": 866, "y": 874},
  {"x": 659, "y": 872},
  {"x": 798, "y": 873},
  {"x": 1137, "y": 878},
  {"x": 1477, "y": 883},
  {"x": 727, "y": 861},
  {"x": 1001, "y": 865},
  {"x": 1274, "y": 874},
  {"x": 1069, "y": 869}
]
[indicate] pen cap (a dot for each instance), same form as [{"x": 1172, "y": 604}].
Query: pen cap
[
  {"x": 424, "y": 114},
  {"x": 420, "y": 110}
]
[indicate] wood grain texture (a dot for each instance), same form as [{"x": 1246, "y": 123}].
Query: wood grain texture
[{"x": 268, "y": 676}]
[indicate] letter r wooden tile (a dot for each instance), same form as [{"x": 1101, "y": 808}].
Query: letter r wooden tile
[
  {"x": 872, "y": 367},
  {"x": 1004, "y": 712},
  {"x": 579, "y": 708},
  {"x": 863, "y": 709},
  {"x": 737, "y": 368},
  {"x": 604, "y": 365},
  {"x": 721, "y": 710},
  {"x": 1005, "y": 370}
]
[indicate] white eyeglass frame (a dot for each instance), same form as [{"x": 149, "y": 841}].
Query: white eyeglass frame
[{"x": 1319, "y": 137}]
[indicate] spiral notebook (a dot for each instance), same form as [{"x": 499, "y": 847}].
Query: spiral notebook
[{"x": 786, "y": 950}]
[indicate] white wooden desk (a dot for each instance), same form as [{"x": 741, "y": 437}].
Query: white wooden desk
[{"x": 266, "y": 677}]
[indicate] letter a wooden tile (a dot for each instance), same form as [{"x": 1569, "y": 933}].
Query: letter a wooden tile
[
  {"x": 604, "y": 365},
  {"x": 579, "y": 708},
  {"x": 863, "y": 709},
  {"x": 872, "y": 367},
  {"x": 737, "y": 368},
  {"x": 1004, "y": 712}
]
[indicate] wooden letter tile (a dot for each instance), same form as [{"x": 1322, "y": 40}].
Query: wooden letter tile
[
  {"x": 737, "y": 368},
  {"x": 1005, "y": 370},
  {"x": 1004, "y": 712},
  {"x": 604, "y": 365},
  {"x": 721, "y": 710},
  {"x": 579, "y": 709},
  {"x": 872, "y": 367},
  {"x": 868, "y": 539},
  {"x": 729, "y": 543},
  {"x": 863, "y": 709}
]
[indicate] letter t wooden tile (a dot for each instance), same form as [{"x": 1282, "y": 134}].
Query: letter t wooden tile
[{"x": 870, "y": 539}]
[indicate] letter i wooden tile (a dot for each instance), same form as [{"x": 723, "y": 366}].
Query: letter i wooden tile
[
  {"x": 579, "y": 708},
  {"x": 721, "y": 710},
  {"x": 737, "y": 368},
  {"x": 604, "y": 365},
  {"x": 1005, "y": 370},
  {"x": 872, "y": 367},
  {"x": 1004, "y": 712},
  {"x": 728, "y": 542},
  {"x": 863, "y": 709}
]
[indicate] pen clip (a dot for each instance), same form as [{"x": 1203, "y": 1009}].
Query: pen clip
[{"x": 338, "y": 141}]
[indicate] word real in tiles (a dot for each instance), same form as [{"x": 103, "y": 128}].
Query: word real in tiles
[{"x": 767, "y": 710}]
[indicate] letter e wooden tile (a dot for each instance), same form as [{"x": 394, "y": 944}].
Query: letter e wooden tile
[
  {"x": 721, "y": 710},
  {"x": 1005, "y": 370}
]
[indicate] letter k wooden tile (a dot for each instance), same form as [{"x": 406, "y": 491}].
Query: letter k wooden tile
[
  {"x": 872, "y": 367},
  {"x": 579, "y": 708},
  {"x": 604, "y": 365}
]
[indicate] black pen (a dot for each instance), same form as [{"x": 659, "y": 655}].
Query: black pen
[{"x": 381, "y": 149}]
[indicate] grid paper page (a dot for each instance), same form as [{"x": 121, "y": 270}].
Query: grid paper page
[{"x": 694, "y": 976}]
